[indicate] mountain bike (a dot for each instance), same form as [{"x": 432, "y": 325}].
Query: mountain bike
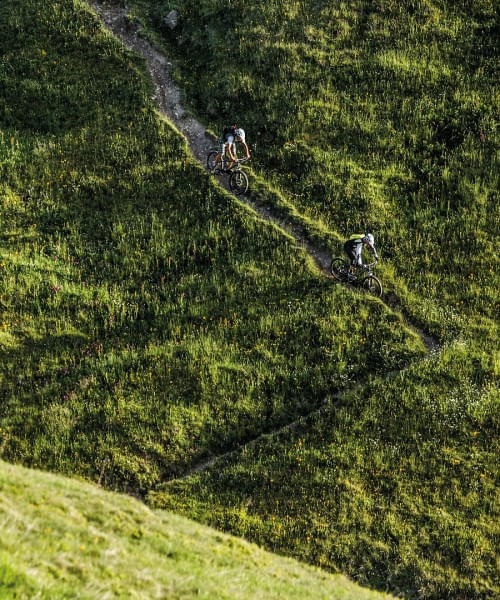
[
  {"x": 238, "y": 179},
  {"x": 361, "y": 276}
]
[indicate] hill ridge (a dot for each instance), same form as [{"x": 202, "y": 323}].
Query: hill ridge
[{"x": 64, "y": 538}]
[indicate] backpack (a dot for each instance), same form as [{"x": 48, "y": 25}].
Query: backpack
[{"x": 228, "y": 131}]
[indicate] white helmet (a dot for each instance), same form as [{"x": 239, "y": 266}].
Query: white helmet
[
  {"x": 369, "y": 238},
  {"x": 240, "y": 133}
]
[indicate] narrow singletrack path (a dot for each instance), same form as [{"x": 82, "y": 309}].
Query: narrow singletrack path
[{"x": 168, "y": 98}]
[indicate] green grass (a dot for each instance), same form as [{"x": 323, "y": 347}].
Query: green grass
[
  {"x": 148, "y": 319},
  {"x": 366, "y": 115},
  {"x": 395, "y": 484},
  {"x": 67, "y": 539},
  {"x": 383, "y": 116}
]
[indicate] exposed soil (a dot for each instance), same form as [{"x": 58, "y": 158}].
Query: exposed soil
[{"x": 167, "y": 93}]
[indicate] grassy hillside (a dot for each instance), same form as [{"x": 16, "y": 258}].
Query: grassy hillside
[
  {"x": 66, "y": 539},
  {"x": 147, "y": 318},
  {"x": 378, "y": 115},
  {"x": 395, "y": 485}
]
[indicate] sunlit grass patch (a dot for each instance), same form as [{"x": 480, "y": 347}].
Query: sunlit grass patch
[{"x": 65, "y": 538}]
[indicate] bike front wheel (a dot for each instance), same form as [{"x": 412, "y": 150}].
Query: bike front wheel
[
  {"x": 372, "y": 285},
  {"x": 238, "y": 182},
  {"x": 339, "y": 269}
]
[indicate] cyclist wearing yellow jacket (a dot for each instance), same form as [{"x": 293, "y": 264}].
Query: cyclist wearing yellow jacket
[{"x": 354, "y": 246}]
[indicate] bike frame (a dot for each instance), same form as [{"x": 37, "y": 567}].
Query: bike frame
[
  {"x": 224, "y": 161},
  {"x": 364, "y": 269}
]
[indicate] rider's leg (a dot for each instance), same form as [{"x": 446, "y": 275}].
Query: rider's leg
[
  {"x": 359, "y": 260},
  {"x": 217, "y": 161},
  {"x": 230, "y": 150},
  {"x": 351, "y": 254},
  {"x": 219, "y": 158},
  {"x": 355, "y": 265}
]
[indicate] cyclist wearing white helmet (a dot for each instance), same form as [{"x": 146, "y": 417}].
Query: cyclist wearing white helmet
[
  {"x": 354, "y": 246},
  {"x": 229, "y": 136}
]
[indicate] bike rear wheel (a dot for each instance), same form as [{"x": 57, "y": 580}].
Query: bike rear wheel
[
  {"x": 238, "y": 182},
  {"x": 372, "y": 285},
  {"x": 339, "y": 269},
  {"x": 211, "y": 164}
]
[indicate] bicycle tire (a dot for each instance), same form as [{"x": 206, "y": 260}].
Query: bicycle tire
[
  {"x": 372, "y": 285},
  {"x": 238, "y": 182},
  {"x": 338, "y": 268},
  {"x": 211, "y": 160}
]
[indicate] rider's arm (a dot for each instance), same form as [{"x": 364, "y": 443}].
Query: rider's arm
[
  {"x": 372, "y": 250},
  {"x": 244, "y": 144}
]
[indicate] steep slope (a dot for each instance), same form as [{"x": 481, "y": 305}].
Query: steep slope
[
  {"x": 394, "y": 484},
  {"x": 150, "y": 321},
  {"x": 376, "y": 115},
  {"x": 148, "y": 318},
  {"x": 366, "y": 114},
  {"x": 67, "y": 539}
]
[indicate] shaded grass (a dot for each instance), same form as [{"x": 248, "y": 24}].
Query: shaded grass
[{"x": 394, "y": 484}]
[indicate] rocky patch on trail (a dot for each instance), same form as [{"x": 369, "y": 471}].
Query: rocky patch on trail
[{"x": 167, "y": 93}]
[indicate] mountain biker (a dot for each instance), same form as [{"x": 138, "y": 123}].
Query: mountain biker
[
  {"x": 354, "y": 246},
  {"x": 229, "y": 136}
]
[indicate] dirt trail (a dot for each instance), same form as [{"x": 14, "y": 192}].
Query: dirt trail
[
  {"x": 168, "y": 98},
  {"x": 167, "y": 94}
]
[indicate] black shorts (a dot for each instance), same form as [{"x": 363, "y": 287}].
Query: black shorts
[{"x": 350, "y": 250}]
